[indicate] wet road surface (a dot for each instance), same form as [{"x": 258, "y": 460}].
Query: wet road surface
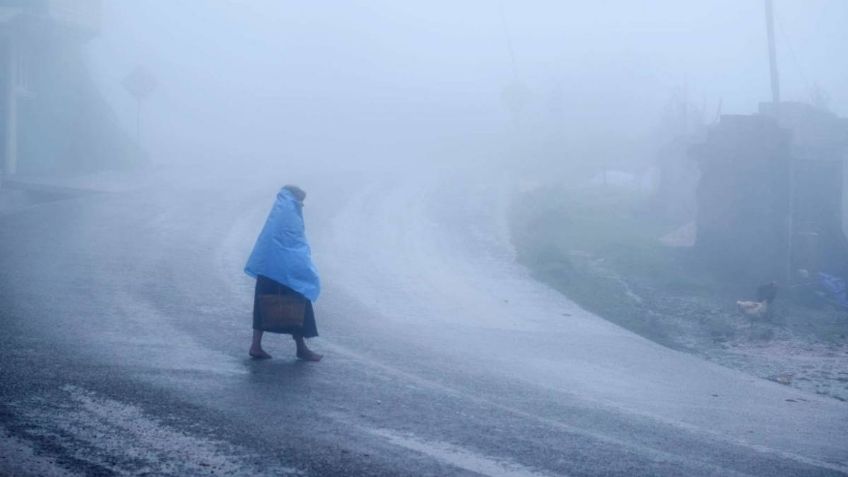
[{"x": 126, "y": 321}]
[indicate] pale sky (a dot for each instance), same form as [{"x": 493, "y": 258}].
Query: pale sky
[{"x": 254, "y": 77}]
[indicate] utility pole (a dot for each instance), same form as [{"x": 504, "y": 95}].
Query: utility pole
[
  {"x": 10, "y": 165},
  {"x": 775, "y": 79},
  {"x": 508, "y": 38},
  {"x": 515, "y": 93},
  {"x": 138, "y": 121},
  {"x": 775, "y": 98}
]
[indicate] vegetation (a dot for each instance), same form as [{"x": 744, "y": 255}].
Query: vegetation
[
  {"x": 67, "y": 126},
  {"x": 600, "y": 247}
]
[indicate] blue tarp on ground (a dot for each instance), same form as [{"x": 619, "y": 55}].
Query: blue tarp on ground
[
  {"x": 281, "y": 252},
  {"x": 835, "y": 287}
]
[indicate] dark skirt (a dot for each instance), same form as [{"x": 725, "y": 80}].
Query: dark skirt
[{"x": 266, "y": 286}]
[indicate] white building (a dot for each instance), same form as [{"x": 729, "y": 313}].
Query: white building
[{"x": 22, "y": 24}]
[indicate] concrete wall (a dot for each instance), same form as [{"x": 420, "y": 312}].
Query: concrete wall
[{"x": 743, "y": 198}]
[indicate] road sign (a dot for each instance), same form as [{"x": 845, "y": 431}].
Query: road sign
[{"x": 140, "y": 83}]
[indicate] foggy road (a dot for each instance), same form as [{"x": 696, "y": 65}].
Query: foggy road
[{"x": 126, "y": 322}]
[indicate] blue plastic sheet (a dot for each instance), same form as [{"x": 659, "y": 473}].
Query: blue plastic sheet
[
  {"x": 835, "y": 288},
  {"x": 281, "y": 252}
]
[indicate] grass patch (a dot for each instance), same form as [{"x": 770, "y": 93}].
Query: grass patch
[
  {"x": 555, "y": 226},
  {"x": 601, "y": 248}
]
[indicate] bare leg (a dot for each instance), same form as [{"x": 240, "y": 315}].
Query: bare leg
[
  {"x": 303, "y": 352},
  {"x": 256, "y": 351}
]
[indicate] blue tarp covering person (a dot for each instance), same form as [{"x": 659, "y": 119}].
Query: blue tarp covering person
[{"x": 281, "y": 262}]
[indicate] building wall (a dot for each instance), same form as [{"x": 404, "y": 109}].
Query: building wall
[
  {"x": 743, "y": 198},
  {"x": 84, "y": 14},
  {"x": 63, "y": 123},
  {"x": 763, "y": 177}
]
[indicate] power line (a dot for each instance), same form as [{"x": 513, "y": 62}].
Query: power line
[
  {"x": 799, "y": 70},
  {"x": 508, "y": 38}
]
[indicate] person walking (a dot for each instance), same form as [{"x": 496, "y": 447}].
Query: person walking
[{"x": 287, "y": 281}]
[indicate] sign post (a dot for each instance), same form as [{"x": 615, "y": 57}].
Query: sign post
[{"x": 140, "y": 84}]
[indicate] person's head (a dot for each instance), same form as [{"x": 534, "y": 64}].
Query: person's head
[{"x": 296, "y": 191}]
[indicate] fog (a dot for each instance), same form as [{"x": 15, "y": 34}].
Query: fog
[
  {"x": 389, "y": 237},
  {"x": 383, "y": 82}
]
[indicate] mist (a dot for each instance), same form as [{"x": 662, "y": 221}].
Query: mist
[
  {"x": 502, "y": 238},
  {"x": 381, "y": 82}
]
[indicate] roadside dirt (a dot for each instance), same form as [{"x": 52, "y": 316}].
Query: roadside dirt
[
  {"x": 796, "y": 346},
  {"x": 602, "y": 249}
]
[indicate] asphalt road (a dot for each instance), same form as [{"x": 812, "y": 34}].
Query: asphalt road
[{"x": 126, "y": 321}]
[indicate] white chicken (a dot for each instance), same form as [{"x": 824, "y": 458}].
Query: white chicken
[{"x": 753, "y": 309}]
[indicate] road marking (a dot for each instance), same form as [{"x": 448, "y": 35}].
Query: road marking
[
  {"x": 655, "y": 454},
  {"x": 102, "y": 429},
  {"x": 456, "y": 456}
]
